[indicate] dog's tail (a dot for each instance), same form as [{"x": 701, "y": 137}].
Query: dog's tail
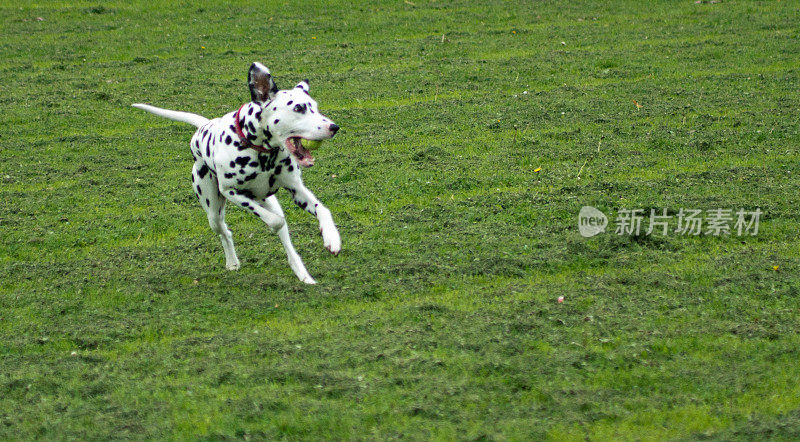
[{"x": 184, "y": 117}]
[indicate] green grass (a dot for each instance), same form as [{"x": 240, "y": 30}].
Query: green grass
[{"x": 439, "y": 319}]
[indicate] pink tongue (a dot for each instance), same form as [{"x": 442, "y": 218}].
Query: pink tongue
[{"x": 301, "y": 154}]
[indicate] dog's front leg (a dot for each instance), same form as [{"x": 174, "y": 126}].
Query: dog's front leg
[
  {"x": 272, "y": 204},
  {"x": 273, "y": 220},
  {"x": 308, "y": 202}
]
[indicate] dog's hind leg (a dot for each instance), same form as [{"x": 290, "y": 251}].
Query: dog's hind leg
[
  {"x": 207, "y": 190},
  {"x": 271, "y": 204}
]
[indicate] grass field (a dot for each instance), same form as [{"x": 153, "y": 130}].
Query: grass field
[{"x": 473, "y": 133}]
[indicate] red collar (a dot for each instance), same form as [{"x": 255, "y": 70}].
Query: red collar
[{"x": 245, "y": 142}]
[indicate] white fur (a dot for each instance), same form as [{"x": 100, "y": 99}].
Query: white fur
[
  {"x": 227, "y": 169},
  {"x": 184, "y": 117}
]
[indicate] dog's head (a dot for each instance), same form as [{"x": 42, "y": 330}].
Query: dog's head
[{"x": 289, "y": 115}]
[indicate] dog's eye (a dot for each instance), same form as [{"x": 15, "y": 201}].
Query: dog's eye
[{"x": 300, "y": 108}]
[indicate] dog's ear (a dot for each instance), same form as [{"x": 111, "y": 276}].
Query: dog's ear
[
  {"x": 303, "y": 85},
  {"x": 262, "y": 88}
]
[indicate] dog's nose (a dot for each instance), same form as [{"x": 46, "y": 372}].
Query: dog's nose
[{"x": 334, "y": 127}]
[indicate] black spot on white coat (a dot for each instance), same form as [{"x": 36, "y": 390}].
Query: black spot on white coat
[{"x": 203, "y": 171}]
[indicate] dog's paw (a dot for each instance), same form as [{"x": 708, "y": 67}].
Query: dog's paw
[
  {"x": 309, "y": 280},
  {"x": 331, "y": 240},
  {"x": 232, "y": 264}
]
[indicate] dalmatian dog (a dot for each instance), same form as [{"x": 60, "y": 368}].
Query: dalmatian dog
[{"x": 247, "y": 155}]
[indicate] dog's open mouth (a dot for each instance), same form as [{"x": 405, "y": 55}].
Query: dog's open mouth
[{"x": 301, "y": 154}]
